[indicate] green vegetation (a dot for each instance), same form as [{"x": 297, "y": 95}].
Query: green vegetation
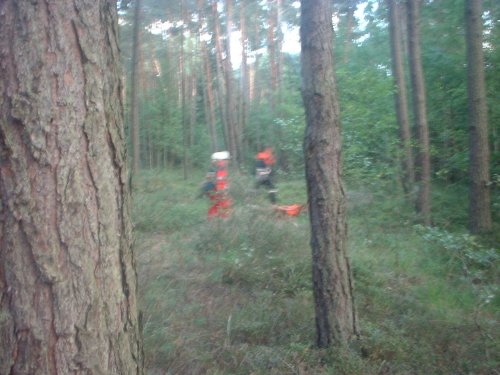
[{"x": 234, "y": 296}]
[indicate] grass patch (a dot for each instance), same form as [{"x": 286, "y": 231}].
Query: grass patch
[{"x": 234, "y": 296}]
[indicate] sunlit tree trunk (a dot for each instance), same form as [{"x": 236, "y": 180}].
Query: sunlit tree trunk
[
  {"x": 67, "y": 278},
  {"x": 231, "y": 109},
  {"x": 208, "y": 91},
  {"x": 400, "y": 96},
  {"x": 479, "y": 172},
  {"x": 221, "y": 82},
  {"x": 272, "y": 47},
  {"x": 423, "y": 163},
  {"x": 336, "y": 321}
]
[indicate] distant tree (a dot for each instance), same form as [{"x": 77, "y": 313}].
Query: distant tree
[
  {"x": 400, "y": 95},
  {"x": 208, "y": 91},
  {"x": 336, "y": 321},
  {"x": 274, "y": 51},
  {"x": 244, "y": 79},
  {"x": 134, "y": 92},
  {"x": 479, "y": 193},
  {"x": 345, "y": 10},
  {"x": 221, "y": 77},
  {"x": 231, "y": 108},
  {"x": 423, "y": 163},
  {"x": 67, "y": 277}
]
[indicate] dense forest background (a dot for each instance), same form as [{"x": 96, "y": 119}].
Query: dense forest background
[
  {"x": 185, "y": 84},
  {"x": 206, "y": 76}
]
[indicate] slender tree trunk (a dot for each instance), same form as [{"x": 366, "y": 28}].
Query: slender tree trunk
[
  {"x": 221, "y": 83},
  {"x": 183, "y": 79},
  {"x": 244, "y": 80},
  {"x": 210, "y": 99},
  {"x": 134, "y": 121},
  {"x": 423, "y": 163},
  {"x": 273, "y": 54},
  {"x": 336, "y": 321},
  {"x": 193, "y": 109},
  {"x": 351, "y": 8},
  {"x": 67, "y": 278},
  {"x": 479, "y": 172},
  {"x": 192, "y": 93},
  {"x": 208, "y": 92},
  {"x": 232, "y": 124},
  {"x": 400, "y": 97}
]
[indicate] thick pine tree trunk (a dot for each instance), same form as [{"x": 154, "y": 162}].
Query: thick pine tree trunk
[
  {"x": 479, "y": 172},
  {"x": 67, "y": 277},
  {"x": 336, "y": 321},
  {"x": 423, "y": 162},
  {"x": 401, "y": 97}
]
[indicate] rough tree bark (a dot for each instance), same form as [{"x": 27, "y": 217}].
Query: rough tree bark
[
  {"x": 401, "y": 97},
  {"x": 423, "y": 162},
  {"x": 336, "y": 321},
  {"x": 67, "y": 276},
  {"x": 479, "y": 171}
]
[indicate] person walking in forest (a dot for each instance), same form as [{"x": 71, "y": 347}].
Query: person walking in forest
[
  {"x": 264, "y": 162},
  {"x": 216, "y": 186}
]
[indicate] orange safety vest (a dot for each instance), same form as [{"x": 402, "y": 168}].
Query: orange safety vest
[{"x": 266, "y": 156}]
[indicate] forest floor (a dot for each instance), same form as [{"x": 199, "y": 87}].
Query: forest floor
[{"x": 234, "y": 296}]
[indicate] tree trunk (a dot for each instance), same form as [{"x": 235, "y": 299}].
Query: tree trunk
[
  {"x": 423, "y": 163},
  {"x": 273, "y": 54},
  {"x": 134, "y": 105},
  {"x": 210, "y": 98},
  {"x": 232, "y": 124},
  {"x": 351, "y": 8},
  {"x": 67, "y": 277},
  {"x": 336, "y": 320},
  {"x": 221, "y": 83},
  {"x": 208, "y": 91},
  {"x": 400, "y": 97},
  {"x": 479, "y": 192},
  {"x": 183, "y": 94},
  {"x": 244, "y": 79}
]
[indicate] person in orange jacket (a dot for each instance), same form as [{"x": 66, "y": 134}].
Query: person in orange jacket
[
  {"x": 216, "y": 186},
  {"x": 264, "y": 162}
]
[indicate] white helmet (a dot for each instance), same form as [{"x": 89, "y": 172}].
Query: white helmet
[{"x": 221, "y": 155}]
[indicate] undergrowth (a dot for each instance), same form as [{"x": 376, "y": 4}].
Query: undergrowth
[{"x": 234, "y": 296}]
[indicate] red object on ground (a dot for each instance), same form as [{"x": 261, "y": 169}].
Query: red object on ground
[{"x": 291, "y": 210}]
